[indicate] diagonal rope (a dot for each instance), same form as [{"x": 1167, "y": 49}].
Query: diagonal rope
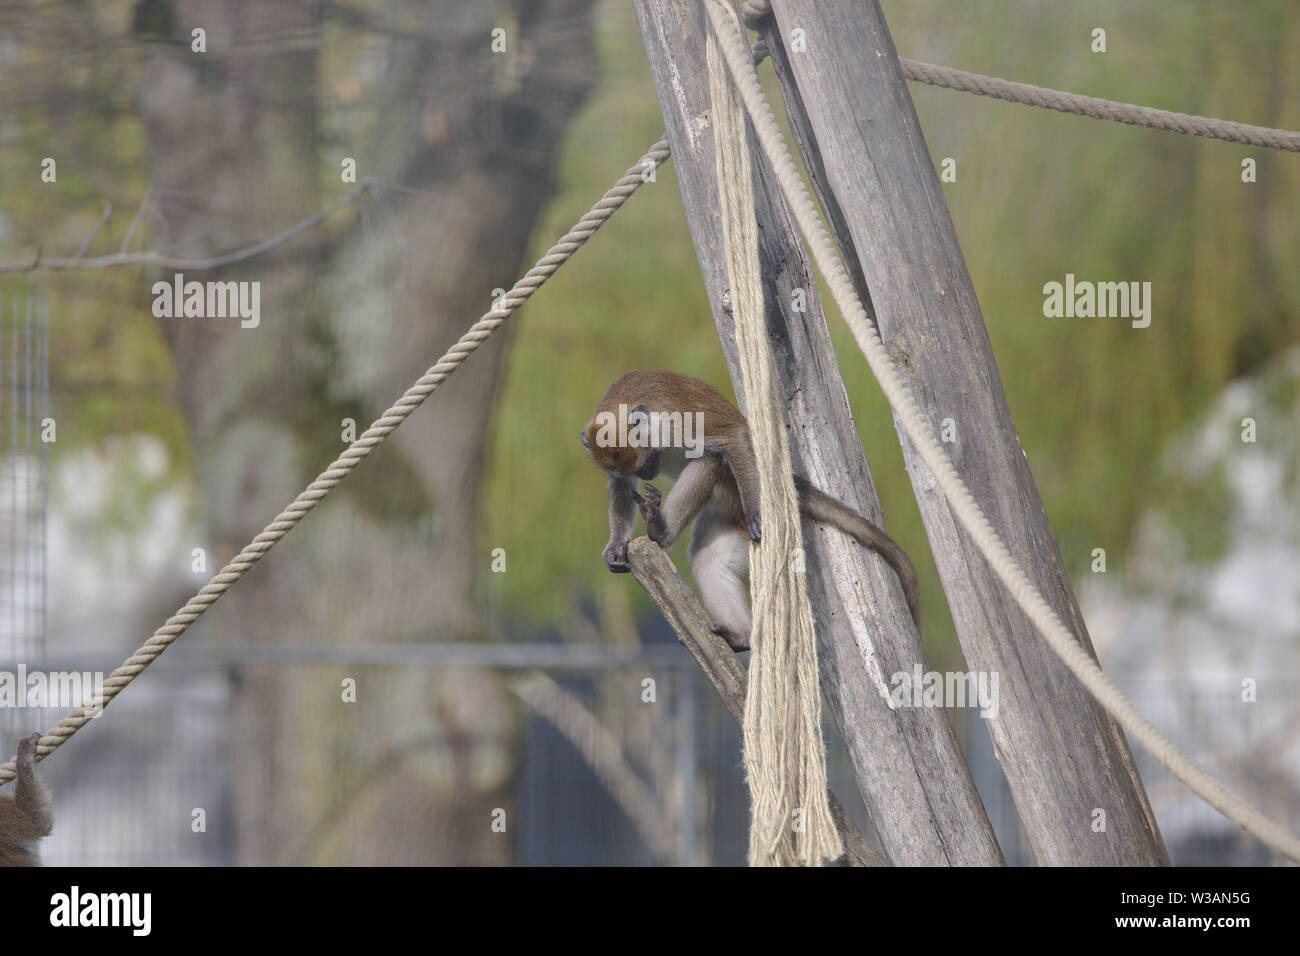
[
  {"x": 225, "y": 579},
  {"x": 756, "y": 11},
  {"x": 1098, "y": 108},
  {"x": 964, "y": 506}
]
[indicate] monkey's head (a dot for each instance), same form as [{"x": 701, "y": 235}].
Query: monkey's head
[{"x": 621, "y": 445}]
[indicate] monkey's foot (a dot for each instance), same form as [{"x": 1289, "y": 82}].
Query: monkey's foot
[
  {"x": 736, "y": 641},
  {"x": 754, "y": 527},
  {"x": 656, "y": 528}
]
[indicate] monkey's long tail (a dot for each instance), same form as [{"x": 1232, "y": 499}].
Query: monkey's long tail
[{"x": 819, "y": 506}]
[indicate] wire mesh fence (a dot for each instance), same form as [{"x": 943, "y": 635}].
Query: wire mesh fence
[{"x": 24, "y": 408}]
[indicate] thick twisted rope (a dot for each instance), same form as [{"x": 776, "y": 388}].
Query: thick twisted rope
[
  {"x": 785, "y": 757},
  {"x": 225, "y": 579},
  {"x": 1098, "y": 108},
  {"x": 963, "y": 504},
  {"x": 756, "y": 11}
]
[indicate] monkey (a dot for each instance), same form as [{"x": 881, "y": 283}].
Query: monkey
[
  {"x": 653, "y": 422},
  {"x": 27, "y": 815}
]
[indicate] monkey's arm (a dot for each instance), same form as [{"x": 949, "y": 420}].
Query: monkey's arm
[
  {"x": 30, "y": 816},
  {"x": 30, "y": 794},
  {"x": 820, "y": 506},
  {"x": 688, "y": 495},
  {"x": 622, "y": 512}
]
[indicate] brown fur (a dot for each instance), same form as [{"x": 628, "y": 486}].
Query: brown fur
[{"x": 27, "y": 815}]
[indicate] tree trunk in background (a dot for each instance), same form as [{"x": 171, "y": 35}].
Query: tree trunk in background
[{"x": 411, "y": 772}]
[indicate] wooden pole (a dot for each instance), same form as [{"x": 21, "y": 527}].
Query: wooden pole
[
  {"x": 855, "y": 125},
  {"x": 914, "y": 782}
]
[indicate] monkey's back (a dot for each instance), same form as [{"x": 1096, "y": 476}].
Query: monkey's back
[{"x": 662, "y": 390}]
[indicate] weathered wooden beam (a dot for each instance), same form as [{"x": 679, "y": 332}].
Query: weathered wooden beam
[
  {"x": 909, "y": 769},
  {"x": 856, "y": 127},
  {"x": 653, "y": 569}
]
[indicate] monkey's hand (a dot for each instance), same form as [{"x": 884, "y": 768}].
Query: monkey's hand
[
  {"x": 615, "y": 556},
  {"x": 656, "y": 528},
  {"x": 754, "y": 527},
  {"x": 27, "y": 752}
]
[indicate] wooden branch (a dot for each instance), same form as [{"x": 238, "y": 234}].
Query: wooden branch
[
  {"x": 99, "y": 223},
  {"x": 1062, "y": 754},
  {"x": 154, "y": 258},
  {"x": 655, "y": 572},
  {"x": 906, "y": 761},
  {"x": 135, "y": 221}
]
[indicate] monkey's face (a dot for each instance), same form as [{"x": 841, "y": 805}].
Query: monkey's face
[{"x": 615, "y": 458}]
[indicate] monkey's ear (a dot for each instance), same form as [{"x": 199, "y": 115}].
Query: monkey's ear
[{"x": 582, "y": 436}]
